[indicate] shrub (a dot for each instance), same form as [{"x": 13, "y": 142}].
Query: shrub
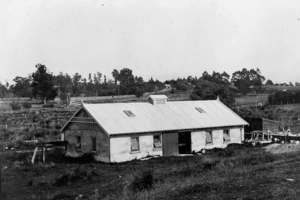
[
  {"x": 26, "y": 104},
  {"x": 143, "y": 180},
  {"x": 209, "y": 163},
  {"x": 15, "y": 105}
]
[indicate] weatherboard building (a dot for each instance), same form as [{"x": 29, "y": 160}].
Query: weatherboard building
[{"x": 118, "y": 132}]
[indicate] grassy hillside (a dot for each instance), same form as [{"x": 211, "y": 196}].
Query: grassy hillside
[
  {"x": 288, "y": 115},
  {"x": 248, "y": 101},
  {"x": 234, "y": 173}
]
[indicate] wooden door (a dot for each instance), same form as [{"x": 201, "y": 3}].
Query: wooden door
[{"x": 170, "y": 144}]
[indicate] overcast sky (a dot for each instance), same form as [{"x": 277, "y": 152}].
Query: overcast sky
[{"x": 162, "y": 39}]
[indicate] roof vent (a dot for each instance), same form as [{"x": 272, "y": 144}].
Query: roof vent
[{"x": 158, "y": 99}]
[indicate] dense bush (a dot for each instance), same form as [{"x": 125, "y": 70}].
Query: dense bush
[{"x": 15, "y": 105}]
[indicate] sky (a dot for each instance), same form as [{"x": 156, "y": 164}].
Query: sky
[{"x": 163, "y": 39}]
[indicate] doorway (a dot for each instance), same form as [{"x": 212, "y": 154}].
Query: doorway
[{"x": 184, "y": 143}]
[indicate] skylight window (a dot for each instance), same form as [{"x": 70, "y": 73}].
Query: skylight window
[
  {"x": 200, "y": 110},
  {"x": 129, "y": 113}
]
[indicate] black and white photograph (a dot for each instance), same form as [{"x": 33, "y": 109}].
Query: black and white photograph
[{"x": 149, "y": 99}]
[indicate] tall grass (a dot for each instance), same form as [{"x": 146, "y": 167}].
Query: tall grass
[{"x": 209, "y": 176}]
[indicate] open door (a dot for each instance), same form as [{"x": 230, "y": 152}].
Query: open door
[
  {"x": 170, "y": 144},
  {"x": 184, "y": 143}
]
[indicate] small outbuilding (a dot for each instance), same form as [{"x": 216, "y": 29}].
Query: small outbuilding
[
  {"x": 262, "y": 124},
  {"x": 118, "y": 132}
]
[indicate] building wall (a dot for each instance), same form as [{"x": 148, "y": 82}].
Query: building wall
[
  {"x": 86, "y": 131},
  {"x": 270, "y": 125},
  {"x": 199, "y": 139},
  {"x": 120, "y": 148}
]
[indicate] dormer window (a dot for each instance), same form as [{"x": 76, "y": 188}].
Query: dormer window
[
  {"x": 200, "y": 110},
  {"x": 129, "y": 113}
]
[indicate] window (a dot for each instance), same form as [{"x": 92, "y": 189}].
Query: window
[
  {"x": 209, "y": 137},
  {"x": 135, "y": 144},
  {"x": 226, "y": 136},
  {"x": 200, "y": 110},
  {"x": 94, "y": 144},
  {"x": 157, "y": 141},
  {"x": 78, "y": 142},
  {"x": 129, "y": 113}
]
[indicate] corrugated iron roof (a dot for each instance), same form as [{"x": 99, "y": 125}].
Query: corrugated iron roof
[{"x": 176, "y": 115}]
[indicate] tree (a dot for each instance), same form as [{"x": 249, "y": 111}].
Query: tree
[
  {"x": 269, "y": 82},
  {"x": 115, "y": 75},
  {"x": 207, "y": 90},
  {"x": 42, "y": 83},
  {"x": 140, "y": 89},
  {"x": 76, "y": 84},
  {"x": 245, "y": 78},
  {"x": 64, "y": 85},
  {"x": 126, "y": 80},
  {"x": 3, "y": 91},
  {"x": 22, "y": 87},
  {"x": 209, "y": 87}
]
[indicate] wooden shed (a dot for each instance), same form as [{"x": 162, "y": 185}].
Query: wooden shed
[
  {"x": 262, "y": 124},
  {"x": 118, "y": 132}
]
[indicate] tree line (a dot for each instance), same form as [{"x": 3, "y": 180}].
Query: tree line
[
  {"x": 42, "y": 84},
  {"x": 284, "y": 97}
]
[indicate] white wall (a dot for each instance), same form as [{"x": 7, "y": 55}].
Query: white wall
[
  {"x": 120, "y": 148},
  {"x": 236, "y": 136},
  {"x": 199, "y": 138}
]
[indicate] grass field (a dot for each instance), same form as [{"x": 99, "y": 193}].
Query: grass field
[
  {"x": 234, "y": 173},
  {"x": 251, "y": 100}
]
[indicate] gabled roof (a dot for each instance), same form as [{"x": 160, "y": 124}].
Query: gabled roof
[{"x": 176, "y": 115}]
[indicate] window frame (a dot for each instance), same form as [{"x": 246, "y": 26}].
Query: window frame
[
  {"x": 226, "y": 141},
  {"x": 200, "y": 110},
  {"x": 212, "y": 139},
  {"x": 94, "y": 138},
  {"x": 129, "y": 113},
  {"x": 78, "y": 144},
  {"x": 160, "y": 139},
  {"x": 138, "y": 143}
]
